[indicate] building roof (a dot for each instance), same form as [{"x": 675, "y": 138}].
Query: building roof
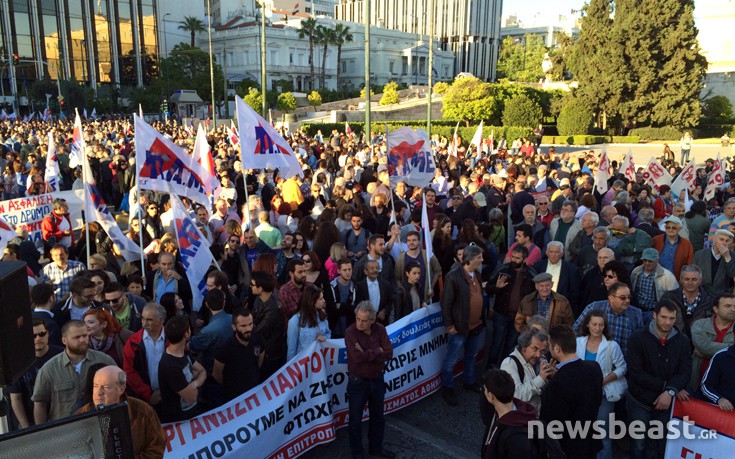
[{"x": 185, "y": 96}]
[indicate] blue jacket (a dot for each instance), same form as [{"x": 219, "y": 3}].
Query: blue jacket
[
  {"x": 210, "y": 338},
  {"x": 719, "y": 377}
]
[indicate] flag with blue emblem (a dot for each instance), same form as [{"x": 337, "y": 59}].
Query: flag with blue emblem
[{"x": 51, "y": 175}]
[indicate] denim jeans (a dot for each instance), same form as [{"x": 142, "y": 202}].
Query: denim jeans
[
  {"x": 361, "y": 391},
  {"x": 471, "y": 345},
  {"x": 643, "y": 447},
  {"x": 684, "y": 156},
  {"x": 603, "y": 414},
  {"x": 505, "y": 337}
]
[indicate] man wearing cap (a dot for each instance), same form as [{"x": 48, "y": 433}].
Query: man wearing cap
[
  {"x": 649, "y": 282},
  {"x": 544, "y": 302},
  {"x": 479, "y": 202},
  {"x": 717, "y": 263},
  {"x": 561, "y": 196},
  {"x": 674, "y": 251}
]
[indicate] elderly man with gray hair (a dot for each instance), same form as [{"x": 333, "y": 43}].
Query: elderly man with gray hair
[
  {"x": 521, "y": 365},
  {"x": 464, "y": 317},
  {"x": 109, "y": 389},
  {"x": 628, "y": 243},
  {"x": 368, "y": 348}
]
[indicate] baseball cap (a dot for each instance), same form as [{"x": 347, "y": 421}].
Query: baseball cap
[
  {"x": 650, "y": 254},
  {"x": 480, "y": 199}
]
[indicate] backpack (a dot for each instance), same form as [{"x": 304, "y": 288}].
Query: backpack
[{"x": 521, "y": 371}]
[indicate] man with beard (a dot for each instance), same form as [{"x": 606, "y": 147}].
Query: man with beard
[
  {"x": 283, "y": 256},
  {"x": 238, "y": 362},
  {"x": 61, "y": 381},
  {"x": 22, "y": 390},
  {"x": 269, "y": 323},
  {"x": 376, "y": 252},
  {"x": 290, "y": 293}
]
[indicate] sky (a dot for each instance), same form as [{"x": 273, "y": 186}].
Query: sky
[{"x": 527, "y": 9}]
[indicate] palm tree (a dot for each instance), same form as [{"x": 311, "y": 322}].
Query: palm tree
[
  {"x": 325, "y": 37},
  {"x": 308, "y": 28},
  {"x": 193, "y": 25},
  {"x": 342, "y": 35}
]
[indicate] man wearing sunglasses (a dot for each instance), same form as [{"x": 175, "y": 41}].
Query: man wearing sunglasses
[
  {"x": 125, "y": 306},
  {"x": 22, "y": 390}
]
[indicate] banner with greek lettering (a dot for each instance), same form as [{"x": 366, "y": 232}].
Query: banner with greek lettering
[
  {"x": 30, "y": 211},
  {"x": 705, "y": 431},
  {"x": 409, "y": 157},
  {"x": 302, "y": 404}
]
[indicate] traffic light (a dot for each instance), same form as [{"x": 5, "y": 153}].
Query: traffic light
[{"x": 16, "y": 59}]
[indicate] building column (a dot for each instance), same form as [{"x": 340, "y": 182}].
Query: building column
[
  {"x": 136, "y": 43},
  {"x": 91, "y": 62},
  {"x": 112, "y": 21}
]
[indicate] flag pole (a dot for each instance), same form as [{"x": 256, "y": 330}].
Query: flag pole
[
  {"x": 139, "y": 212},
  {"x": 392, "y": 205},
  {"x": 85, "y": 165},
  {"x": 427, "y": 234}
]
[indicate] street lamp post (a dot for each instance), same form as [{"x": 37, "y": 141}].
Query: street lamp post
[
  {"x": 263, "y": 85},
  {"x": 211, "y": 63},
  {"x": 165, "y": 52},
  {"x": 430, "y": 81}
]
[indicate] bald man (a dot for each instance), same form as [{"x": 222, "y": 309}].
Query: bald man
[{"x": 145, "y": 427}]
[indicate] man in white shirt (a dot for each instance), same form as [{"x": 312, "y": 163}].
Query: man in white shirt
[{"x": 521, "y": 363}]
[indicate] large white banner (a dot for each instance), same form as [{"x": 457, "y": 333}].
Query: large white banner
[
  {"x": 409, "y": 157},
  {"x": 301, "y": 405},
  {"x": 700, "y": 430},
  {"x": 30, "y": 211}
]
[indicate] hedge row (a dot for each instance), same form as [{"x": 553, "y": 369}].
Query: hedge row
[
  {"x": 589, "y": 139},
  {"x": 441, "y": 127}
]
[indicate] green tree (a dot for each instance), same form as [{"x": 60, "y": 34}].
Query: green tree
[
  {"x": 286, "y": 102},
  {"x": 188, "y": 68},
  {"x": 324, "y": 37},
  {"x": 597, "y": 60},
  {"x": 390, "y": 94},
  {"x": 315, "y": 99},
  {"x": 561, "y": 55},
  {"x": 362, "y": 92},
  {"x": 441, "y": 87},
  {"x": 285, "y": 84},
  {"x": 243, "y": 88},
  {"x": 471, "y": 100},
  {"x": 308, "y": 29},
  {"x": 575, "y": 118},
  {"x": 664, "y": 57},
  {"x": 254, "y": 99},
  {"x": 520, "y": 59},
  {"x": 521, "y": 111},
  {"x": 342, "y": 35},
  {"x": 717, "y": 109},
  {"x": 192, "y": 25}
]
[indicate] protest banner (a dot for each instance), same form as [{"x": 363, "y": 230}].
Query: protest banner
[
  {"x": 656, "y": 175},
  {"x": 30, "y": 211},
  {"x": 706, "y": 431},
  {"x": 409, "y": 157},
  {"x": 303, "y": 403}
]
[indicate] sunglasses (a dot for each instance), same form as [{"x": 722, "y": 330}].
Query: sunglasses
[
  {"x": 306, "y": 260},
  {"x": 114, "y": 300},
  {"x": 39, "y": 335},
  {"x": 610, "y": 276}
]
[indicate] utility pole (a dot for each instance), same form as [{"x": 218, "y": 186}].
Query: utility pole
[
  {"x": 367, "y": 70},
  {"x": 263, "y": 85},
  {"x": 224, "y": 72},
  {"x": 211, "y": 64},
  {"x": 430, "y": 82}
]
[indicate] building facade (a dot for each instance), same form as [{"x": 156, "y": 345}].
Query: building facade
[
  {"x": 99, "y": 43},
  {"x": 470, "y": 29},
  {"x": 713, "y": 19},
  {"x": 397, "y": 56}
]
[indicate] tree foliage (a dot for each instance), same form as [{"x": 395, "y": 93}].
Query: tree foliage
[
  {"x": 254, "y": 99},
  {"x": 243, "y": 88},
  {"x": 315, "y": 99},
  {"x": 643, "y": 63},
  {"x": 441, "y": 87},
  {"x": 362, "y": 92},
  {"x": 192, "y": 25},
  {"x": 286, "y": 102},
  {"x": 717, "y": 109},
  {"x": 342, "y": 35},
  {"x": 575, "y": 118},
  {"x": 521, "y": 111},
  {"x": 520, "y": 60},
  {"x": 308, "y": 29},
  {"x": 471, "y": 100},
  {"x": 390, "y": 94}
]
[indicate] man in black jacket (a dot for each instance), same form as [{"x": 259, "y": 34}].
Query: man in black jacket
[
  {"x": 565, "y": 276},
  {"x": 375, "y": 290},
  {"x": 269, "y": 323},
  {"x": 659, "y": 367},
  {"x": 574, "y": 394},
  {"x": 509, "y": 284},
  {"x": 698, "y": 301},
  {"x": 464, "y": 318}
]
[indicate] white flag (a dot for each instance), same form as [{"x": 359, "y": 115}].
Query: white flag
[
  {"x": 477, "y": 138},
  {"x": 261, "y": 147},
  {"x": 603, "y": 172},
  {"x": 140, "y": 111},
  {"x": 94, "y": 114},
  {"x": 716, "y": 180},
  {"x": 409, "y": 157},
  {"x": 194, "y": 251},
  {"x": 656, "y": 174},
  {"x": 96, "y": 210},
  {"x": 78, "y": 146},
  {"x": 7, "y": 234},
  {"x": 203, "y": 155},
  {"x": 426, "y": 228},
  {"x": 162, "y": 165},
  {"x": 628, "y": 167},
  {"x": 686, "y": 179},
  {"x": 51, "y": 175},
  {"x": 85, "y": 113},
  {"x": 454, "y": 149}
]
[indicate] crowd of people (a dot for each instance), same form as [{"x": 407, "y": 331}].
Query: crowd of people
[{"x": 530, "y": 263}]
